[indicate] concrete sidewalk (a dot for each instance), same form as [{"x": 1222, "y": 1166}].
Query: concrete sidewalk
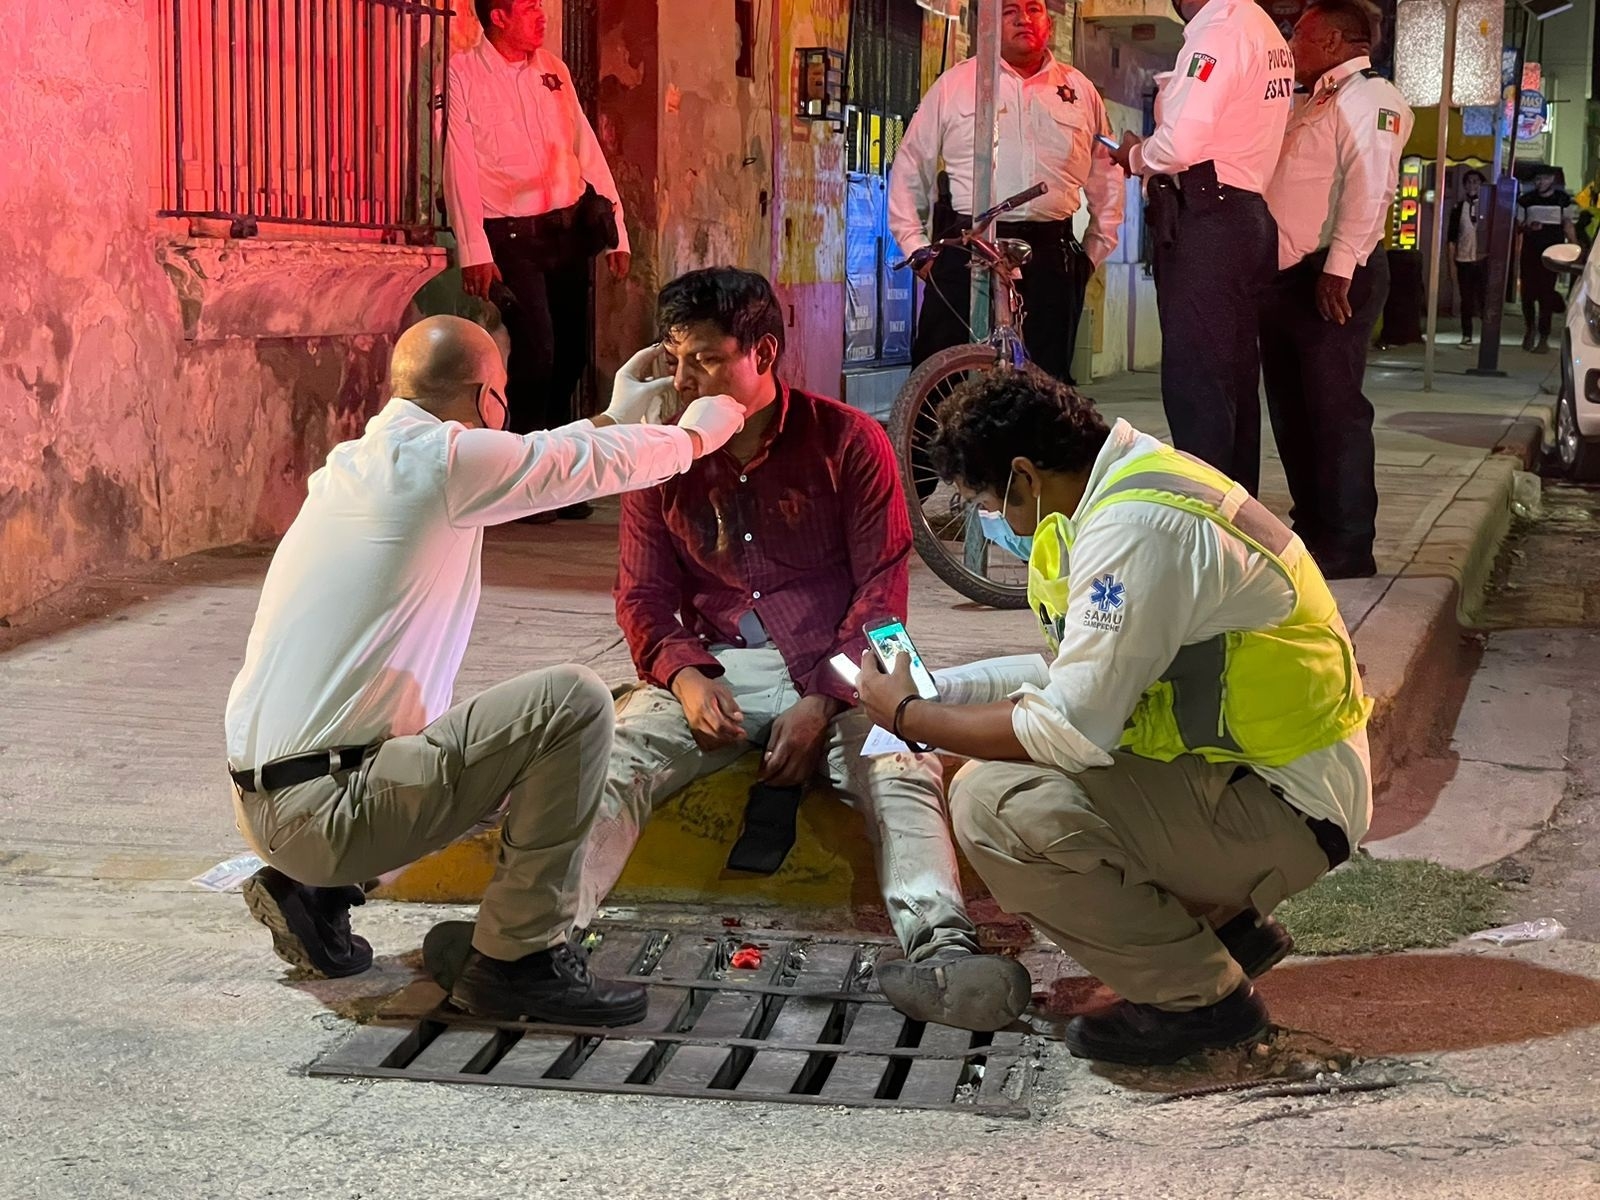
[{"x": 111, "y": 700}]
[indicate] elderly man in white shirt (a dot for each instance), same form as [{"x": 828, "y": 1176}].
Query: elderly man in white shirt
[
  {"x": 532, "y": 201},
  {"x": 1330, "y": 195},
  {"x": 1195, "y": 753},
  {"x": 347, "y": 757},
  {"x": 1049, "y": 114},
  {"x": 1220, "y": 115}
]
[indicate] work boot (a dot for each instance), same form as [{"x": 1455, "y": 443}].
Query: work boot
[
  {"x": 310, "y": 926},
  {"x": 1256, "y": 945},
  {"x": 1145, "y": 1036},
  {"x": 1350, "y": 566},
  {"x": 551, "y": 985},
  {"x": 445, "y": 949},
  {"x": 956, "y": 987},
  {"x": 1527, "y": 340}
]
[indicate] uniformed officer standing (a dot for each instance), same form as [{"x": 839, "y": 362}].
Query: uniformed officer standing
[
  {"x": 1048, "y": 115},
  {"x": 1334, "y": 183},
  {"x": 1220, "y": 116}
]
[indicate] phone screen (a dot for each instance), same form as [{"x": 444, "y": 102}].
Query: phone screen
[
  {"x": 1108, "y": 143},
  {"x": 889, "y": 639}
]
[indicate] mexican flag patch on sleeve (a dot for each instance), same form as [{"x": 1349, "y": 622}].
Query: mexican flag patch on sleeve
[
  {"x": 1388, "y": 120},
  {"x": 1200, "y": 66}
]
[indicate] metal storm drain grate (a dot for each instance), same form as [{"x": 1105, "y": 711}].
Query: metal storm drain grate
[{"x": 806, "y": 1026}]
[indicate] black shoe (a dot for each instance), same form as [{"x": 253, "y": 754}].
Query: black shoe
[
  {"x": 1527, "y": 340},
  {"x": 581, "y": 511},
  {"x": 956, "y": 987},
  {"x": 1144, "y": 1036},
  {"x": 1355, "y": 566},
  {"x": 310, "y": 926},
  {"x": 538, "y": 518},
  {"x": 445, "y": 950},
  {"x": 1543, "y": 346},
  {"x": 549, "y": 985},
  {"x": 1256, "y": 946}
]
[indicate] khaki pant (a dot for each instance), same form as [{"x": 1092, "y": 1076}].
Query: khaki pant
[
  {"x": 1113, "y": 864},
  {"x": 538, "y": 743},
  {"x": 900, "y": 795}
]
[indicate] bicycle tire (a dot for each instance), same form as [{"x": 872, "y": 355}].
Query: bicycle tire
[{"x": 916, "y": 399}]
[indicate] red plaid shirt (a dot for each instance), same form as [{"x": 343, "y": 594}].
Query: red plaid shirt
[{"x": 811, "y": 534}]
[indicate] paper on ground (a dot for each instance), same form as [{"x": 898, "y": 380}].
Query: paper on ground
[{"x": 229, "y": 876}]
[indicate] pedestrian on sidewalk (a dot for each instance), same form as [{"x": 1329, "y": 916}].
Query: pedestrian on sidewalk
[
  {"x": 1199, "y": 752},
  {"x": 1469, "y": 251},
  {"x": 736, "y": 583},
  {"x": 347, "y": 758},
  {"x": 1329, "y": 195},
  {"x": 532, "y": 201},
  {"x": 1220, "y": 115},
  {"x": 1545, "y": 216},
  {"x": 1049, "y": 114}
]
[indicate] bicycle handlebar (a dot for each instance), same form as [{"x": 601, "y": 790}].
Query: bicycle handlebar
[{"x": 981, "y": 222}]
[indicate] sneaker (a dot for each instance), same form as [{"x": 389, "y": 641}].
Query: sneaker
[
  {"x": 551, "y": 985},
  {"x": 445, "y": 950},
  {"x": 1466, "y": 339},
  {"x": 956, "y": 987},
  {"x": 1145, "y": 1036},
  {"x": 1256, "y": 945},
  {"x": 310, "y": 926}
]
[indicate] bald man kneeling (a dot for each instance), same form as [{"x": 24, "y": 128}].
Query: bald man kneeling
[{"x": 347, "y": 758}]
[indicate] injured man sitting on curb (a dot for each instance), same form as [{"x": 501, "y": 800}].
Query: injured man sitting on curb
[
  {"x": 347, "y": 758},
  {"x": 737, "y": 582},
  {"x": 1198, "y": 751}
]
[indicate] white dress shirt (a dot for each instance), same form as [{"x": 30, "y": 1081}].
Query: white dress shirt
[
  {"x": 1184, "y": 580},
  {"x": 1226, "y": 100},
  {"x": 518, "y": 145},
  {"x": 1339, "y": 168},
  {"x": 370, "y": 598},
  {"x": 1044, "y": 133}
]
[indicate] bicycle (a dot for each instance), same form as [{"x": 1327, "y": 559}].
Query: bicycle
[{"x": 951, "y": 540}]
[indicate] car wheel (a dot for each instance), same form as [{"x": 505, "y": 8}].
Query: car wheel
[{"x": 1579, "y": 456}]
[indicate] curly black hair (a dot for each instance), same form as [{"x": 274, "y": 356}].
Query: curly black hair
[
  {"x": 1005, "y": 414},
  {"x": 740, "y": 303}
]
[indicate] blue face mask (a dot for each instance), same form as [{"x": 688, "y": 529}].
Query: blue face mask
[{"x": 998, "y": 530}]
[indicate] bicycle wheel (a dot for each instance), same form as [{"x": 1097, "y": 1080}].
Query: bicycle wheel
[{"x": 944, "y": 527}]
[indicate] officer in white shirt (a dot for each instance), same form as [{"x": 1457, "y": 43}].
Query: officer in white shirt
[
  {"x": 347, "y": 757},
  {"x": 1331, "y": 191},
  {"x": 1197, "y": 751},
  {"x": 1048, "y": 115},
  {"x": 1220, "y": 115},
  {"x": 532, "y": 201}
]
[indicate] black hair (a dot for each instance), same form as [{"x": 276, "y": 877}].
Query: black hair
[
  {"x": 740, "y": 303},
  {"x": 996, "y": 417},
  {"x": 1474, "y": 174},
  {"x": 1358, "y": 20},
  {"x": 484, "y": 8}
]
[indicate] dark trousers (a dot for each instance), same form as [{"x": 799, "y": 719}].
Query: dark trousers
[
  {"x": 1539, "y": 295},
  {"x": 1216, "y": 251},
  {"x": 544, "y": 302},
  {"x": 1052, "y": 286},
  {"x": 1470, "y": 280},
  {"x": 1323, "y": 423}
]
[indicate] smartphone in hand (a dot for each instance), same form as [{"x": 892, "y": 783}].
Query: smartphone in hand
[{"x": 888, "y": 638}]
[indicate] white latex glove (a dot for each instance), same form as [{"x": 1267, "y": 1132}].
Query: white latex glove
[
  {"x": 714, "y": 419},
  {"x": 636, "y": 400}
]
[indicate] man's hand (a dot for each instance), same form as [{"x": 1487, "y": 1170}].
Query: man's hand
[
  {"x": 711, "y": 421},
  {"x": 477, "y": 279},
  {"x": 636, "y": 398},
  {"x": 880, "y": 691},
  {"x": 1333, "y": 298},
  {"x": 798, "y": 740},
  {"x": 1123, "y": 154},
  {"x": 713, "y": 713},
  {"x": 618, "y": 261}
]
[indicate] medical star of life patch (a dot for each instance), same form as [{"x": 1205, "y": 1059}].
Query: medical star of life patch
[
  {"x": 1106, "y": 598},
  {"x": 1200, "y": 66},
  {"x": 1388, "y": 120}
]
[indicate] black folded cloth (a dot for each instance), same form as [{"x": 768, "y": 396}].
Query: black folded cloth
[{"x": 768, "y": 833}]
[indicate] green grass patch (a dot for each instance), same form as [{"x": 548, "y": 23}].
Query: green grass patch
[{"x": 1373, "y": 906}]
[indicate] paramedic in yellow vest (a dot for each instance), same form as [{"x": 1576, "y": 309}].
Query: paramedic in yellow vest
[{"x": 1197, "y": 750}]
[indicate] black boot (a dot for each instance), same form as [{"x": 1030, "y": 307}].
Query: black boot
[
  {"x": 1142, "y": 1035},
  {"x": 552, "y": 985},
  {"x": 1543, "y": 346},
  {"x": 310, "y": 926},
  {"x": 1527, "y": 340},
  {"x": 1256, "y": 945}
]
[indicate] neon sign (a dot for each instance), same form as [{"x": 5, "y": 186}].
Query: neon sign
[{"x": 1408, "y": 205}]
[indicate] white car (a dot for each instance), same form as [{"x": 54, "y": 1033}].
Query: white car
[{"x": 1578, "y": 407}]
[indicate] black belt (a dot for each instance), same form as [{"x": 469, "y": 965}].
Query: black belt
[
  {"x": 1334, "y": 841},
  {"x": 301, "y": 768}
]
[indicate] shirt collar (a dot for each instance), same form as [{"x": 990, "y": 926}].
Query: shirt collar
[
  {"x": 1044, "y": 71},
  {"x": 776, "y": 429},
  {"x": 1124, "y": 440},
  {"x": 1342, "y": 72},
  {"x": 493, "y": 60}
]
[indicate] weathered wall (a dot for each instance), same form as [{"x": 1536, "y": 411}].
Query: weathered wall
[{"x": 119, "y": 439}]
